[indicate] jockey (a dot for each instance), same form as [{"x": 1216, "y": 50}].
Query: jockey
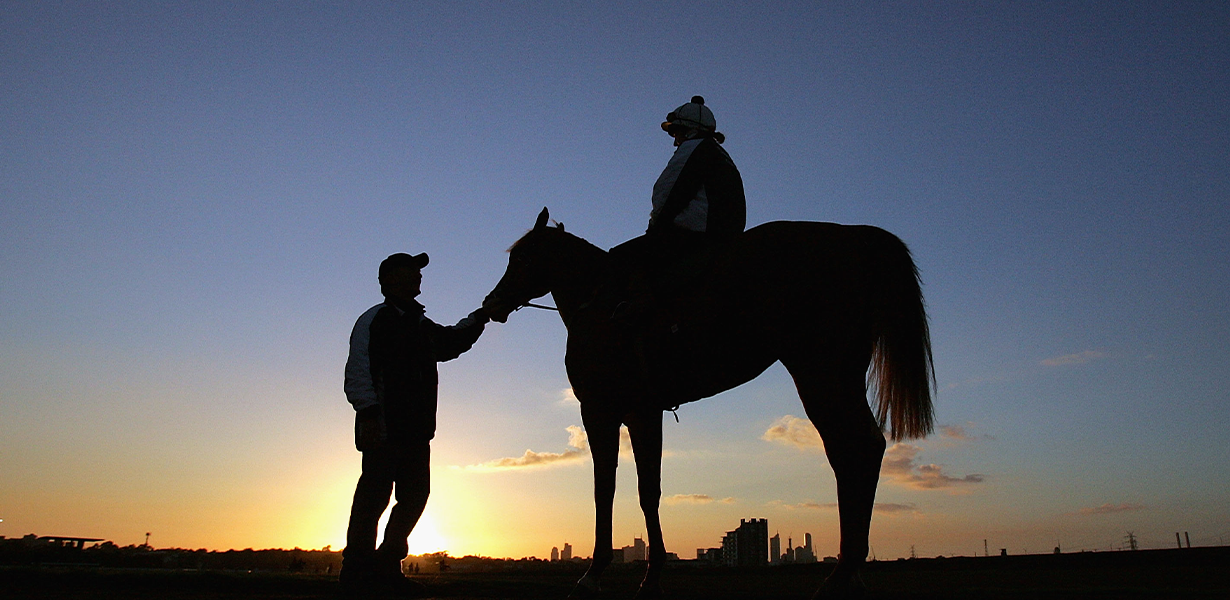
[
  {"x": 700, "y": 189},
  {"x": 698, "y": 203}
]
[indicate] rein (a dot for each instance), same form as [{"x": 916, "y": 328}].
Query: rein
[{"x": 532, "y": 305}]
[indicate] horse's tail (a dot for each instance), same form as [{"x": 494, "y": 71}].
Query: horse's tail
[{"x": 902, "y": 373}]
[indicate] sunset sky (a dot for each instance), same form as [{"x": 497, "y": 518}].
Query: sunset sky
[{"x": 195, "y": 196}]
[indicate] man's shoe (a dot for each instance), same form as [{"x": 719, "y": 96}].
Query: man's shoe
[
  {"x": 357, "y": 583},
  {"x": 404, "y": 587}
]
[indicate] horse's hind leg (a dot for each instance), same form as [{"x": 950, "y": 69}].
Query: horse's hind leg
[
  {"x": 602, "y": 429},
  {"x": 835, "y": 398},
  {"x": 645, "y": 429}
]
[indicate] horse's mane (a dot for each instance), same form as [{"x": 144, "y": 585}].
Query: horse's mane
[
  {"x": 556, "y": 229},
  {"x": 558, "y": 225}
]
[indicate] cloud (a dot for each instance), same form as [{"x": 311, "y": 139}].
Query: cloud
[
  {"x": 578, "y": 444},
  {"x": 695, "y": 499},
  {"x": 567, "y": 398},
  {"x": 901, "y": 466},
  {"x": 1109, "y": 508},
  {"x": 960, "y": 433},
  {"x": 793, "y": 431},
  {"x": 810, "y": 506},
  {"x": 890, "y": 507},
  {"x": 955, "y": 432},
  {"x": 625, "y": 443},
  {"x": 1079, "y": 358},
  {"x": 578, "y": 451},
  {"x": 883, "y": 507},
  {"x": 976, "y": 381},
  {"x": 816, "y": 505}
]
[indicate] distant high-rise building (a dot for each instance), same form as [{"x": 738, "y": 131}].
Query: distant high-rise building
[
  {"x": 554, "y": 554},
  {"x": 753, "y": 542},
  {"x": 805, "y": 553},
  {"x": 748, "y": 545},
  {"x": 637, "y": 551},
  {"x": 775, "y": 549},
  {"x": 567, "y": 553},
  {"x": 730, "y": 548}
]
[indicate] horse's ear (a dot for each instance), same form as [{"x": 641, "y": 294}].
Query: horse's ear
[{"x": 543, "y": 217}]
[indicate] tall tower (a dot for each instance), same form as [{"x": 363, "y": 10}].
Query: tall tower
[
  {"x": 638, "y": 548},
  {"x": 751, "y": 543},
  {"x": 554, "y": 554},
  {"x": 775, "y": 548},
  {"x": 567, "y": 553}
]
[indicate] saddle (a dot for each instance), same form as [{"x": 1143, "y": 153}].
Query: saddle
[{"x": 665, "y": 306}]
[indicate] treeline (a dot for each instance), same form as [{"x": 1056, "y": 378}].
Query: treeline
[
  {"x": 441, "y": 562},
  {"x": 33, "y": 551},
  {"x": 30, "y": 550}
]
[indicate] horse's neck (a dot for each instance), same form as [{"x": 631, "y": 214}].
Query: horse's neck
[{"x": 582, "y": 268}]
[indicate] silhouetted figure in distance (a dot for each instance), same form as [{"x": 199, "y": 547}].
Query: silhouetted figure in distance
[{"x": 391, "y": 381}]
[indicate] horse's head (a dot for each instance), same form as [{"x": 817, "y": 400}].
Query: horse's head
[{"x": 527, "y": 276}]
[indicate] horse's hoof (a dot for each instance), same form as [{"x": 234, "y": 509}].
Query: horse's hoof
[
  {"x": 838, "y": 587},
  {"x": 585, "y": 588},
  {"x": 649, "y": 592}
]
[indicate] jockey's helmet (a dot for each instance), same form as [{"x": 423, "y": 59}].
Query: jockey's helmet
[{"x": 693, "y": 115}]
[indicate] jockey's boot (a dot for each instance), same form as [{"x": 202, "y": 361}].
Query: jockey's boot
[{"x": 639, "y": 302}]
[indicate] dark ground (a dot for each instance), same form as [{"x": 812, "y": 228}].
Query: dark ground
[{"x": 1194, "y": 573}]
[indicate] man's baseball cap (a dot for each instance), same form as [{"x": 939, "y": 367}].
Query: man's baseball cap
[{"x": 401, "y": 259}]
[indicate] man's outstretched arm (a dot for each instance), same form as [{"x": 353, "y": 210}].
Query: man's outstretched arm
[{"x": 452, "y": 340}]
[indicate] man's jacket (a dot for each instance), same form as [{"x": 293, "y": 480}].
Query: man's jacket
[
  {"x": 392, "y": 365},
  {"x": 699, "y": 190}
]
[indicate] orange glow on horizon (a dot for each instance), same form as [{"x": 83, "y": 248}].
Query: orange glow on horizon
[{"x": 426, "y": 537}]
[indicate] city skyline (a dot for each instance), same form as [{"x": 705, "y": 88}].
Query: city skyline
[
  {"x": 638, "y": 551},
  {"x": 194, "y": 199}
]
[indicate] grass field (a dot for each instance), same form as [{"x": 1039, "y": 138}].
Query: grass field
[{"x": 1196, "y": 573}]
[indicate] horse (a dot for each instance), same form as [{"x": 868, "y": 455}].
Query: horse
[{"x": 840, "y": 306}]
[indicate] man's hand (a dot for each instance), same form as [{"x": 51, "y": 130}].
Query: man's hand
[
  {"x": 481, "y": 316},
  {"x": 369, "y": 429}
]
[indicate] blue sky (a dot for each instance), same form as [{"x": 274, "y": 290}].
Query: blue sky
[{"x": 194, "y": 199}]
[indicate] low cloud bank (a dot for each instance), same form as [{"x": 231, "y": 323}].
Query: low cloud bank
[
  {"x": 1108, "y": 508},
  {"x": 695, "y": 499},
  {"x": 901, "y": 466},
  {"x": 577, "y": 452},
  {"x": 1079, "y": 358},
  {"x": 795, "y": 432},
  {"x": 881, "y": 507}
]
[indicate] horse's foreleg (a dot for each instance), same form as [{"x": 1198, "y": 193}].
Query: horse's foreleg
[
  {"x": 646, "y": 433},
  {"x": 603, "y": 436}
]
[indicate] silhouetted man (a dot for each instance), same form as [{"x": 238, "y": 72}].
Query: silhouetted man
[{"x": 391, "y": 381}]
